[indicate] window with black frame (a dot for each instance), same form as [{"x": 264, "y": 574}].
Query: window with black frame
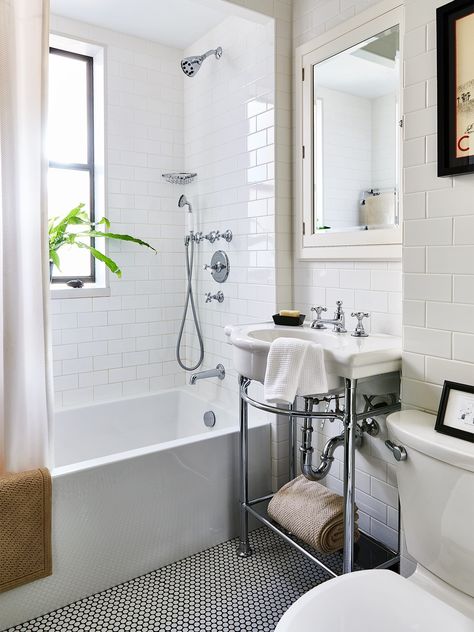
[{"x": 71, "y": 153}]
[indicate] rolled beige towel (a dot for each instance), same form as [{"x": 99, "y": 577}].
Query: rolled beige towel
[{"x": 312, "y": 513}]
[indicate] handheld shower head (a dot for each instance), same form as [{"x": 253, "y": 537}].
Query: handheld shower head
[
  {"x": 191, "y": 65},
  {"x": 183, "y": 201}
]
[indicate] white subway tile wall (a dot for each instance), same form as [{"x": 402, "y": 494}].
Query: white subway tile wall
[
  {"x": 375, "y": 287},
  {"x": 109, "y": 347},
  {"x": 229, "y": 142},
  {"x": 125, "y": 344},
  {"x": 113, "y": 346},
  {"x": 244, "y": 166},
  {"x": 438, "y": 234},
  {"x": 438, "y": 237}
]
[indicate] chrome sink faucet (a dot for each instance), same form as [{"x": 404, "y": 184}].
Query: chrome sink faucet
[{"x": 339, "y": 320}]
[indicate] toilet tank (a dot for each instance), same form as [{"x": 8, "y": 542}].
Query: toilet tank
[{"x": 436, "y": 487}]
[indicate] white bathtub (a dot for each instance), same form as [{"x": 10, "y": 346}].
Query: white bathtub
[{"x": 138, "y": 483}]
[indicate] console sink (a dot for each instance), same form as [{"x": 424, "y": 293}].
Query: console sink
[{"x": 345, "y": 356}]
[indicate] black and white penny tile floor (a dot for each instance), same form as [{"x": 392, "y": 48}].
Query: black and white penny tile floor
[{"x": 212, "y": 591}]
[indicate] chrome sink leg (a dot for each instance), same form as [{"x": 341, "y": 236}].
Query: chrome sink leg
[
  {"x": 292, "y": 422},
  {"x": 244, "y": 549},
  {"x": 350, "y": 428}
]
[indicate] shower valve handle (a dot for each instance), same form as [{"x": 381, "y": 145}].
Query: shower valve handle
[
  {"x": 217, "y": 267},
  {"x": 219, "y": 297},
  {"x": 213, "y": 236}
]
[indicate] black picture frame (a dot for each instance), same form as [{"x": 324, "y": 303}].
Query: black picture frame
[
  {"x": 449, "y": 163},
  {"x": 441, "y": 423}
]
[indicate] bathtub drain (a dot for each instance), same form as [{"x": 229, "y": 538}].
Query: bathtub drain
[{"x": 209, "y": 419}]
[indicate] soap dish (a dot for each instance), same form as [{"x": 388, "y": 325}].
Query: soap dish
[{"x": 289, "y": 321}]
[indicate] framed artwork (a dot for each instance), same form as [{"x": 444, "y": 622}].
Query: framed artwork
[
  {"x": 456, "y": 411},
  {"x": 455, "y": 37}
]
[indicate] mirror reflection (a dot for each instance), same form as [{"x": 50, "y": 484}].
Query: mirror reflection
[{"x": 356, "y": 117}]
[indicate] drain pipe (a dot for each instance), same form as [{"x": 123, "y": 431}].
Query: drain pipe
[{"x": 327, "y": 456}]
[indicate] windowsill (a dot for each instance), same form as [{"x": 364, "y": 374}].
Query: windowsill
[{"x": 59, "y": 290}]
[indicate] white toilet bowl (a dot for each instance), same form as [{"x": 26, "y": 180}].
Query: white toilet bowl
[
  {"x": 436, "y": 486},
  {"x": 372, "y": 601}
]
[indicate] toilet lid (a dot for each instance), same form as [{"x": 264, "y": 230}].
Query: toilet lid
[{"x": 372, "y": 601}]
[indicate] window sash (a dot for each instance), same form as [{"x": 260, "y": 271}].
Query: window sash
[{"x": 89, "y": 165}]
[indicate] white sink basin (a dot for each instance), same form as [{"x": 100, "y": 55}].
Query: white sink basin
[{"x": 345, "y": 356}]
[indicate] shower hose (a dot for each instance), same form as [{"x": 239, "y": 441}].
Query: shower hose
[{"x": 189, "y": 244}]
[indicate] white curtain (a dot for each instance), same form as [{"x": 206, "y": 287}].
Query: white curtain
[{"x": 25, "y": 398}]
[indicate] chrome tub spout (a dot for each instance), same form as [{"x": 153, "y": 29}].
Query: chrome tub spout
[{"x": 218, "y": 372}]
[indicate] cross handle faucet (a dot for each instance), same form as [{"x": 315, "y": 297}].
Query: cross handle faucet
[
  {"x": 359, "y": 331},
  {"x": 339, "y": 320}
]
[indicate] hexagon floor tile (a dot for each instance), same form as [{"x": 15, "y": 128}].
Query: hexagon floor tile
[{"x": 212, "y": 591}]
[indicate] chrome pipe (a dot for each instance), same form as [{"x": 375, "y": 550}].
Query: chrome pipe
[
  {"x": 350, "y": 429},
  {"x": 306, "y": 451},
  {"x": 262, "y": 499},
  {"x": 327, "y": 459},
  {"x": 377, "y": 412},
  {"x": 291, "y": 444},
  {"x": 282, "y": 411},
  {"x": 244, "y": 549}
]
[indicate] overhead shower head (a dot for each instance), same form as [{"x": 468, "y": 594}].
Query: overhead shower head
[
  {"x": 191, "y": 65},
  {"x": 183, "y": 201}
]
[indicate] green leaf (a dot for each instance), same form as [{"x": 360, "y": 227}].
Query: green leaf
[
  {"x": 110, "y": 263},
  {"x": 53, "y": 255},
  {"x": 118, "y": 236},
  {"x": 59, "y": 236},
  {"x": 104, "y": 220},
  {"x": 57, "y": 229}
]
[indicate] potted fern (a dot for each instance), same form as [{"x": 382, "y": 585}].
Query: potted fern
[{"x": 60, "y": 235}]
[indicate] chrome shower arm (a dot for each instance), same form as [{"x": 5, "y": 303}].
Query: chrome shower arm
[
  {"x": 217, "y": 52},
  {"x": 208, "y": 53}
]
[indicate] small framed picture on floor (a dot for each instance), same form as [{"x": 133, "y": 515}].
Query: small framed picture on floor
[
  {"x": 456, "y": 411},
  {"x": 455, "y": 41}
]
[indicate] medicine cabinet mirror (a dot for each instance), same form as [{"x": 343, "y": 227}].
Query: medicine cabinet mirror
[{"x": 349, "y": 140}]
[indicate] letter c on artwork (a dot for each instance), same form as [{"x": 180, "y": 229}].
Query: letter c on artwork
[{"x": 460, "y": 147}]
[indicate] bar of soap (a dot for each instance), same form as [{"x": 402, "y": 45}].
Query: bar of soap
[{"x": 291, "y": 313}]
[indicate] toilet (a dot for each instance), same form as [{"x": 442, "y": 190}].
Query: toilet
[{"x": 436, "y": 487}]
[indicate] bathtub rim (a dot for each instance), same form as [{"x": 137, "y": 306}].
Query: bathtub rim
[
  {"x": 135, "y": 453},
  {"x": 126, "y": 398}
]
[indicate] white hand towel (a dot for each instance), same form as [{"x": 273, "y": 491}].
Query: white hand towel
[
  {"x": 294, "y": 367},
  {"x": 313, "y": 377}
]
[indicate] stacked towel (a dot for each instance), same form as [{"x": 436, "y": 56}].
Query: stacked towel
[
  {"x": 25, "y": 527},
  {"x": 312, "y": 513},
  {"x": 294, "y": 367}
]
